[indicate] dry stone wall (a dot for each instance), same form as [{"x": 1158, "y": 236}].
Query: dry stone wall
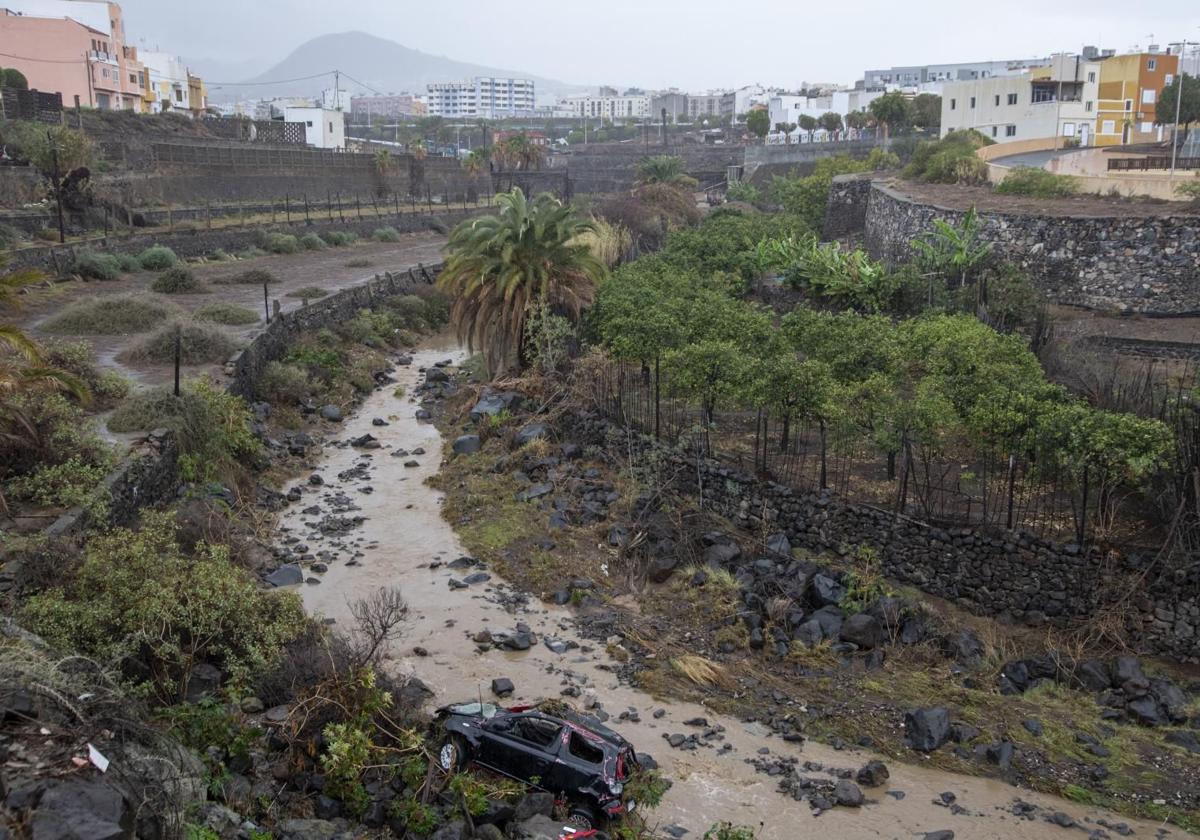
[{"x": 1147, "y": 264}]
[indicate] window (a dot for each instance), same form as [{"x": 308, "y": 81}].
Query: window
[
  {"x": 972, "y": 101},
  {"x": 537, "y": 731},
  {"x": 1152, "y": 64},
  {"x": 1092, "y": 76},
  {"x": 1068, "y": 129},
  {"x": 993, "y": 131},
  {"x": 308, "y": 124},
  {"x": 1087, "y": 105},
  {"x": 1010, "y": 131},
  {"x": 1170, "y": 77},
  {"x": 580, "y": 748},
  {"x": 1128, "y": 104},
  {"x": 1108, "y": 127},
  {"x": 953, "y": 104},
  {"x": 133, "y": 78},
  {"x": 331, "y": 128},
  {"x": 1148, "y": 96},
  {"x": 1147, "y": 127},
  {"x": 997, "y": 102},
  {"x": 1012, "y": 99},
  {"x": 178, "y": 95}
]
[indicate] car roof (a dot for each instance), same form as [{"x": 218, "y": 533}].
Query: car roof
[{"x": 584, "y": 724}]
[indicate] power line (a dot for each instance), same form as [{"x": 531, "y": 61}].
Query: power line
[{"x": 44, "y": 60}]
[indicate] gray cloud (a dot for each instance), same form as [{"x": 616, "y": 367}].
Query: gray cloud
[{"x": 693, "y": 44}]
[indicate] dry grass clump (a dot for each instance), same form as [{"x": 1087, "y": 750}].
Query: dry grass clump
[
  {"x": 701, "y": 671},
  {"x": 112, "y": 315},
  {"x": 229, "y": 314},
  {"x": 177, "y": 280},
  {"x": 308, "y": 293},
  {"x": 253, "y": 277},
  {"x": 199, "y": 344}
]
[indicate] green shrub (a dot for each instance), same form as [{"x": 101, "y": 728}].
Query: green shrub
[
  {"x": 339, "y": 239},
  {"x": 251, "y": 252},
  {"x": 157, "y": 258},
  {"x": 176, "y": 280},
  {"x": 880, "y": 159},
  {"x": 1189, "y": 190},
  {"x": 77, "y": 358},
  {"x": 129, "y": 263},
  {"x": 283, "y": 383},
  {"x": 46, "y": 234},
  {"x": 950, "y": 160},
  {"x": 229, "y": 314},
  {"x": 1029, "y": 180},
  {"x": 743, "y": 191},
  {"x": 9, "y": 236},
  {"x": 312, "y": 242},
  {"x": 96, "y": 266},
  {"x": 213, "y": 426},
  {"x": 138, "y": 600},
  {"x": 220, "y": 255},
  {"x": 281, "y": 243},
  {"x": 386, "y": 234},
  {"x": 199, "y": 344},
  {"x": 807, "y": 196},
  {"x": 111, "y": 315},
  {"x": 75, "y": 481},
  {"x": 358, "y": 262},
  {"x": 308, "y": 293}
]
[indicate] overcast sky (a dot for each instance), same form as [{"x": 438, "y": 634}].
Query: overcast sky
[{"x": 691, "y": 44}]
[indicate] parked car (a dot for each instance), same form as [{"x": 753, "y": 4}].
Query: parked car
[{"x": 577, "y": 760}]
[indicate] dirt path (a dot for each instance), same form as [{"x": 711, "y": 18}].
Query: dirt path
[{"x": 404, "y": 532}]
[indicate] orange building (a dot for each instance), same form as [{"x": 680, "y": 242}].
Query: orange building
[
  {"x": 1129, "y": 88},
  {"x": 76, "y": 48}
]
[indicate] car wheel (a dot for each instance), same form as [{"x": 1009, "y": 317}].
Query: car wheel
[
  {"x": 452, "y": 757},
  {"x": 582, "y": 817}
]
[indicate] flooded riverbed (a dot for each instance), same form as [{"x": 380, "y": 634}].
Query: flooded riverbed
[{"x": 403, "y": 533}]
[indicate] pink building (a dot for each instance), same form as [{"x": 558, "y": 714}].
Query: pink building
[{"x": 76, "y": 48}]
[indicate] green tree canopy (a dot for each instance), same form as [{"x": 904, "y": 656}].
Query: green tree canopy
[
  {"x": 1188, "y": 101},
  {"x": 925, "y": 111},
  {"x": 758, "y": 123}
]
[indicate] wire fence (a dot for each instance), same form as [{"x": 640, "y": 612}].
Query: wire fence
[{"x": 952, "y": 486}]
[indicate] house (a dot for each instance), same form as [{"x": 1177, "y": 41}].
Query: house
[
  {"x": 365, "y": 108},
  {"x": 930, "y": 77},
  {"x": 172, "y": 87},
  {"x": 1058, "y": 99},
  {"x": 619, "y": 107},
  {"x": 324, "y": 128},
  {"x": 671, "y": 101},
  {"x": 1126, "y": 108},
  {"x": 76, "y": 48}
]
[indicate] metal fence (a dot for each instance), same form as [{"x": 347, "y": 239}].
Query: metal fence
[{"x": 1152, "y": 162}]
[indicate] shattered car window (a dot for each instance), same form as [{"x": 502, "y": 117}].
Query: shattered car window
[{"x": 484, "y": 710}]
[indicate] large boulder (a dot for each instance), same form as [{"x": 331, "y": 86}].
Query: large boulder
[
  {"x": 964, "y": 647},
  {"x": 925, "y": 730},
  {"x": 778, "y": 544},
  {"x": 79, "y": 809},
  {"x": 1093, "y": 675},
  {"x": 534, "y": 804},
  {"x": 721, "y": 555},
  {"x": 662, "y": 567},
  {"x": 826, "y": 591},
  {"x": 466, "y": 444},
  {"x": 530, "y": 433},
  {"x": 306, "y": 830},
  {"x": 287, "y": 575},
  {"x": 847, "y": 794},
  {"x": 494, "y": 402},
  {"x": 862, "y": 630},
  {"x": 332, "y": 413},
  {"x": 536, "y": 828}
]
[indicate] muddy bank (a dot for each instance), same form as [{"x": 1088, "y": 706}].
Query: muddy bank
[{"x": 402, "y": 540}]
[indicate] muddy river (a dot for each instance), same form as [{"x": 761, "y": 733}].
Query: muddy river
[{"x": 403, "y": 533}]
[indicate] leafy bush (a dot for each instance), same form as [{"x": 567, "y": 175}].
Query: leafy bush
[
  {"x": 129, "y": 263},
  {"x": 281, "y": 243},
  {"x": 75, "y": 481},
  {"x": 1029, "y": 180},
  {"x": 199, "y": 344},
  {"x": 213, "y": 426},
  {"x": 140, "y": 601},
  {"x": 251, "y": 252},
  {"x": 96, "y": 266},
  {"x": 848, "y": 277},
  {"x": 9, "y": 236},
  {"x": 157, "y": 258},
  {"x": 950, "y": 160},
  {"x": 358, "y": 262},
  {"x": 229, "y": 314},
  {"x": 46, "y": 234},
  {"x": 808, "y": 196},
  {"x": 386, "y": 234},
  {"x": 743, "y": 191},
  {"x": 880, "y": 159},
  {"x": 307, "y": 292},
  {"x": 111, "y": 315},
  {"x": 76, "y": 357},
  {"x": 339, "y": 239},
  {"x": 283, "y": 383},
  {"x": 42, "y": 427},
  {"x": 176, "y": 280},
  {"x": 312, "y": 242}
]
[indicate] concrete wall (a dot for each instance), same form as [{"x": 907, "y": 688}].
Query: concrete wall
[
  {"x": 806, "y": 152},
  {"x": 1137, "y": 263}
]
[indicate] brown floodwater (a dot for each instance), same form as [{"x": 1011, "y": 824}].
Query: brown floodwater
[{"x": 404, "y": 531}]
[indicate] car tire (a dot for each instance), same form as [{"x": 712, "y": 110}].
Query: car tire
[
  {"x": 582, "y": 817},
  {"x": 453, "y": 756}
]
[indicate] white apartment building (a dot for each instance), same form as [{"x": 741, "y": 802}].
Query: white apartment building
[
  {"x": 482, "y": 96},
  {"x": 929, "y": 77},
  {"x": 621, "y": 107},
  {"x": 788, "y": 107},
  {"x": 167, "y": 77},
  {"x": 324, "y": 128},
  {"x": 1057, "y": 99}
]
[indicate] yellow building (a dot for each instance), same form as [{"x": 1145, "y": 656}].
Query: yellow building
[{"x": 1129, "y": 88}]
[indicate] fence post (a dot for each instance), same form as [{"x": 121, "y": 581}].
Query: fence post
[
  {"x": 287, "y": 208},
  {"x": 272, "y": 211},
  {"x": 178, "y": 355},
  {"x": 1012, "y": 474},
  {"x": 266, "y": 305},
  {"x": 307, "y": 220},
  {"x": 341, "y": 214}
]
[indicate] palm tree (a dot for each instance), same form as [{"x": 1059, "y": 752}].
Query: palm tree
[
  {"x": 664, "y": 169},
  {"x": 475, "y": 162},
  {"x": 383, "y": 161},
  {"x": 499, "y": 267},
  {"x": 517, "y": 151}
]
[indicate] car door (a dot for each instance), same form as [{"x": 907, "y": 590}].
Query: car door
[
  {"x": 579, "y": 766},
  {"x": 518, "y": 747}
]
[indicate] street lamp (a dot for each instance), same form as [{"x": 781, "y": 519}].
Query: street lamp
[{"x": 1178, "y": 104}]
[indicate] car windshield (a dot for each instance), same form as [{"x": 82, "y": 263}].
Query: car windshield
[{"x": 484, "y": 710}]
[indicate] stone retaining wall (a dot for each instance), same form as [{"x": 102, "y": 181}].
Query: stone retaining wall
[
  {"x": 1134, "y": 264},
  {"x": 846, "y": 210},
  {"x": 1013, "y": 576}
]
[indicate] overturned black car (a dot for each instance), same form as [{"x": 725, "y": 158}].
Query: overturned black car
[{"x": 577, "y": 760}]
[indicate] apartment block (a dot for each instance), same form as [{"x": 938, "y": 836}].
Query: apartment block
[
  {"x": 481, "y": 96},
  {"x": 1127, "y": 104}
]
